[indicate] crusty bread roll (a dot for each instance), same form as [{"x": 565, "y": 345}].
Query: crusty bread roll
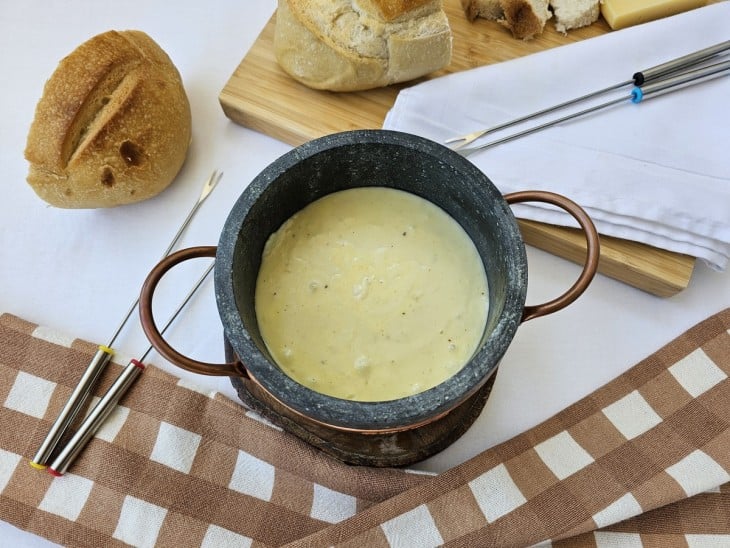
[
  {"x": 113, "y": 125},
  {"x": 349, "y": 45}
]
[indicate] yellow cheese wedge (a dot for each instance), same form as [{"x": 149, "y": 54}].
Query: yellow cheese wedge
[{"x": 625, "y": 13}]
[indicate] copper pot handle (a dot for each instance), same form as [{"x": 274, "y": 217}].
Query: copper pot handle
[
  {"x": 153, "y": 333},
  {"x": 592, "y": 256}
]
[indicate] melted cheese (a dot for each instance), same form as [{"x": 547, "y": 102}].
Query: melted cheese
[{"x": 371, "y": 294}]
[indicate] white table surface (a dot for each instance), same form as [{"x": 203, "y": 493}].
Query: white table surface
[{"x": 79, "y": 270}]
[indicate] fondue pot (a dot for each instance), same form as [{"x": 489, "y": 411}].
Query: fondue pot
[{"x": 381, "y": 433}]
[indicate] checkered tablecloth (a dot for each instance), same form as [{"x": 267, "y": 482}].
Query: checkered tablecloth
[{"x": 643, "y": 460}]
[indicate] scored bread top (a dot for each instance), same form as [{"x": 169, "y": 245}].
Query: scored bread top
[{"x": 78, "y": 90}]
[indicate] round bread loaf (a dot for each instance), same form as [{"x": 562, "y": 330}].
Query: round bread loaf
[
  {"x": 113, "y": 125},
  {"x": 350, "y": 45}
]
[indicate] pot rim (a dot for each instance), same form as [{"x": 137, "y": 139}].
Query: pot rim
[{"x": 382, "y": 415}]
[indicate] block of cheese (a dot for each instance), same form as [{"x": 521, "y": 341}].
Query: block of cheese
[{"x": 625, "y": 13}]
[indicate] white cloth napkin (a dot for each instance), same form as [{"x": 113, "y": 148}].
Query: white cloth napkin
[{"x": 657, "y": 172}]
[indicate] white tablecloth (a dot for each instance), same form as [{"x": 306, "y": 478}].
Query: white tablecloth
[{"x": 79, "y": 271}]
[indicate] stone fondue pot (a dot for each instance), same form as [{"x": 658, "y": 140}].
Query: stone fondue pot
[{"x": 387, "y": 433}]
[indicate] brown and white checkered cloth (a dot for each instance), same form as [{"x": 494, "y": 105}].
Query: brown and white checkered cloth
[{"x": 644, "y": 460}]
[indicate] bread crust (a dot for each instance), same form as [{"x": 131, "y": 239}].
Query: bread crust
[
  {"x": 491, "y": 10},
  {"x": 525, "y": 18},
  {"x": 393, "y": 10},
  {"x": 346, "y": 45},
  {"x": 113, "y": 125}
]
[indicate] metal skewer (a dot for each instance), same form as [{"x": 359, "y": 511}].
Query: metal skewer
[
  {"x": 83, "y": 389},
  {"x": 637, "y": 95},
  {"x": 208, "y": 187},
  {"x": 109, "y": 401},
  {"x": 638, "y": 79}
]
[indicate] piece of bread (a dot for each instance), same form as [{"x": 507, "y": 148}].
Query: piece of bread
[
  {"x": 573, "y": 14},
  {"x": 524, "y": 18},
  {"x": 491, "y": 10},
  {"x": 350, "y": 45},
  {"x": 113, "y": 125}
]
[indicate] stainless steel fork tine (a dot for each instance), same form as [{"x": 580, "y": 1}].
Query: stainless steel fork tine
[
  {"x": 468, "y": 138},
  {"x": 471, "y": 137}
]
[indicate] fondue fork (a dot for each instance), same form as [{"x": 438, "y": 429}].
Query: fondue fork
[
  {"x": 640, "y": 78},
  {"x": 104, "y": 353},
  {"x": 637, "y": 95},
  {"x": 109, "y": 401}
]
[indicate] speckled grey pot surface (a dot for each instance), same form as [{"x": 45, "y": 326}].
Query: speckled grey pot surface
[{"x": 356, "y": 159}]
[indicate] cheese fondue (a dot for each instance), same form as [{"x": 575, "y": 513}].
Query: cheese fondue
[{"x": 371, "y": 294}]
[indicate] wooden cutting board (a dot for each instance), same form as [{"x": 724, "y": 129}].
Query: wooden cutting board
[{"x": 260, "y": 96}]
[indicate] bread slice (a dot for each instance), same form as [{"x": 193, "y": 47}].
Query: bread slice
[
  {"x": 525, "y": 18},
  {"x": 573, "y": 14},
  {"x": 113, "y": 125},
  {"x": 350, "y": 45}
]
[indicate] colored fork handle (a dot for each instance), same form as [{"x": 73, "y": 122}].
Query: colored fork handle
[
  {"x": 593, "y": 251},
  {"x": 680, "y": 81},
  {"x": 75, "y": 403},
  {"x": 680, "y": 63},
  {"x": 153, "y": 333}
]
